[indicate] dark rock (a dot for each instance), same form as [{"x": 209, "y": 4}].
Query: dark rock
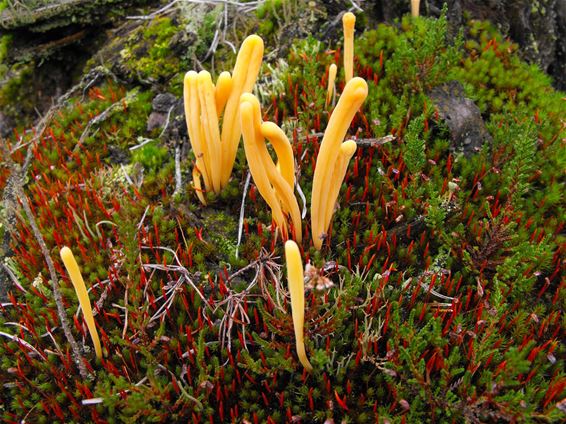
[
  {"x": 168, "y": 114},
  {"x": 462, "y": 116},
  {"x": 6, "y": 125},
  {"x": 163, "y": 102},
  {"x": 118, "y": 155}
]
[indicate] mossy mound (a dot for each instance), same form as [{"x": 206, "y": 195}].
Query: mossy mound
[{"x": 446, "y": 269}]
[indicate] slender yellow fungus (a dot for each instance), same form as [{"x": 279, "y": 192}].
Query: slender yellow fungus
[
  {"x": 347, "y": 150},
  {"x": 415, "y": 7},
  {"x": 78, "y": 283},
  {"x": 250, "y": 129},
  {"x": 244, "y": 76},
  {"x": 209, "y": 125},
  {"x": 331, "y": 81},
  {"x": 222, "y": 91},
  {"x": 276, "y": 186},
  {"x": 348, "y": 22},
  {"x": 192, "y": 117},
  {"x": 283, "y": 189},
  {"x": 354, "y": 94},
  {"x": 295, "y": 279}
]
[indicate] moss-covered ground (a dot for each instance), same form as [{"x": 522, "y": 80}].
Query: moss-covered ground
[{"x": 447, "y": 267}]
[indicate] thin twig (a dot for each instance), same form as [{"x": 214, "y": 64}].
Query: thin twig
[
  {"x": 242, "y": 210},
  {"x": 303, "y": 199},
  {"x": 178, "y": 175},
  {"x": 61, "y": 311},
  {"x": 55, "y": 284},
  {"x": 23, "y": 343},
  {"x": 176, "y": 268},
  {"x": 370, "y": 142},
  {"x": 13, "y": 278},
  {"x": 167, "y": 121}
]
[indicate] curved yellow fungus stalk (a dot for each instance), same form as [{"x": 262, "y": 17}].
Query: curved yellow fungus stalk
[
  {"x": 244, "y": 76},
  {"x": 348, "y": 22},
  {"x": 250, "y": 129},
  {"x": 295, "y": 279},
  {"x": 347, "y": 150},
  {"x": 354, "y": 94},
  {"x": 275, "y": 186},
  {"x": 331, "y": 81},
  {"x": 78, "y": 283},
  {"x": 415, "y": 7}
]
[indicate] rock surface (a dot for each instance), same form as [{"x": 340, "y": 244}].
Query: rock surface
[{"x": 462, "y": 116}]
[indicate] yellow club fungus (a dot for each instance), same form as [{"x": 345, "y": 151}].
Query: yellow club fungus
[
  {"x": 295, "y": 279},
  {"x": 244, "y": 76},
  {"x": 205, "y": 104},
  {"x": 348, "y": 22},
  {"x": 274, "y": 183},
  {"x": 78, "y": 283},
  {"x": 415, "y": 7},
  {"x": 194, "y": 127},
  {"x": 347, "y": 150},
  {"x": 329, "y": 164},
  {"x": 331, "y": 81}
]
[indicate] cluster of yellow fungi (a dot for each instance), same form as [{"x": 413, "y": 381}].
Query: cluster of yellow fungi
[
  {"x": 334, "y": 155},
  {"x": 78, "y": 283},
  {"x": 205, "y": 104},
  {"x": 232, "y": 102},
  {"x": 331, "y": 166}
]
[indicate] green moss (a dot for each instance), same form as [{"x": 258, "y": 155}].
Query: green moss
[
  {"x": 5, "y": 43},
  {"x": 17, "y": 94},
  {"x": 206, "y": 31},
  {"x": 147, "y": 53},
  {"x": 151, "y": 156}
]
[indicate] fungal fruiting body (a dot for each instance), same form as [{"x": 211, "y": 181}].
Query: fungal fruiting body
[
  {"x": 78, "y": 283},
  {"x": 202, "y": 125},
  {"x": 333, "y": 158},
  {"x": 274, "y": 183},
  {"x": 205, "y": 105},
  {"x": 332, "y": 71},
  {"x": 295, "y": 279},
  {"x": 415, "y": 4},
  {"x": 347, "y": 150},
  {"x": 348, "y": 22},
  {"x": 244, "y": 76}
]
